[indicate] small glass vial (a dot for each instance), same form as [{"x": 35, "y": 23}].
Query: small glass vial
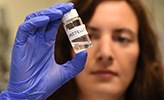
[{"x": 76, "y": 31}]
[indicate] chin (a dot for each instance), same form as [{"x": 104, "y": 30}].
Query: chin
[{"x": 109, "y": 90}]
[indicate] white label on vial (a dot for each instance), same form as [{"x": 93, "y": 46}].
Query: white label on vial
[{"x": 76, "y": 32}]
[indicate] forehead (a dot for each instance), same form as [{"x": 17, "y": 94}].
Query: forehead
[{"x": 114, "y": 13}]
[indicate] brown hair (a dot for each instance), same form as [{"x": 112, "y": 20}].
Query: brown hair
[{"x": 148, "y": 83}]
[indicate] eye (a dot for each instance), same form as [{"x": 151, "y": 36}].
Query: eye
[
  {"x": 122, "y": 36},
  {"x": 123, "y": 40}
]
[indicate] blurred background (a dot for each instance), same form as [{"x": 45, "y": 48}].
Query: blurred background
[{"x": 13, "y": 12}]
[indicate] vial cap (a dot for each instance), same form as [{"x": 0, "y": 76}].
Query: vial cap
[{"x": 73, "y": 13}]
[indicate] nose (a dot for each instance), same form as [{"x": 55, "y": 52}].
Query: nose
[{"x": 105, "y": 51}]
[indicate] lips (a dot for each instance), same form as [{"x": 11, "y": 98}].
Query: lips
[{"x": 104, "y": 73}]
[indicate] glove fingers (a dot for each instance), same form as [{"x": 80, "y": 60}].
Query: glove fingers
[
  {"x": 41, "y": 31},
  {"x": 29, "y": 27},
  {"x": 64, "y": 7},
  {"x": 52, "y": 30},
  {"x": 54, "y": 13}
]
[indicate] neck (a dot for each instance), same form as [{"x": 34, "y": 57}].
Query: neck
[{"x": 98, "y": 97}]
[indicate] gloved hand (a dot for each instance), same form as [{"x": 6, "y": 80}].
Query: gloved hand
[{"x": 34, "y": 74}]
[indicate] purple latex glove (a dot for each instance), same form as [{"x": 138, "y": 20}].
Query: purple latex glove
[{"x": 34, "y": 74}]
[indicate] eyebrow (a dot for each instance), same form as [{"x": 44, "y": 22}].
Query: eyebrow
[
  {"x": 130, "y": 32},
  {"x": 92, "y": 28}
]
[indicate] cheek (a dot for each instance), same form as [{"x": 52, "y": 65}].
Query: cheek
[{"x": 127, "y": 60}]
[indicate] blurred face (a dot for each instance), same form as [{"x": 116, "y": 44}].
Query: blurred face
[{"x": 111, "y": 62}]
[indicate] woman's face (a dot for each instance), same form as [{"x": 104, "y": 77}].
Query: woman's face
[{"x": 111, "y": 62}]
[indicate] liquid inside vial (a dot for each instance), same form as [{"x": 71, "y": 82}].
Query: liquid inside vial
[
  {"x": 78, "y": 35},
  {"x": 81, "y": 43}
]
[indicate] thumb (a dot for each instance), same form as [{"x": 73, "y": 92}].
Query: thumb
[
  {"x": 61, "y": 74},
  {"x": 76, "y": 65}
]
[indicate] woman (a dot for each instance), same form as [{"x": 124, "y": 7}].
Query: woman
[{"x": 124, "y": 62}]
